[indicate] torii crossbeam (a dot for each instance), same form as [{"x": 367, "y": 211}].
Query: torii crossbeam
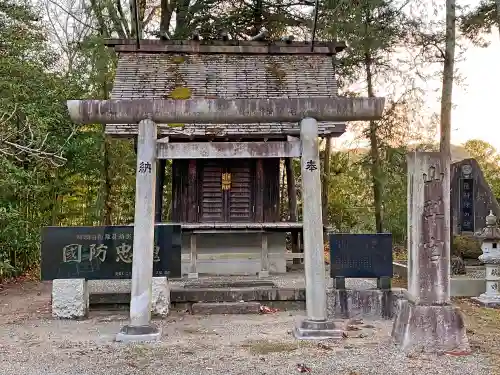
[{"x": 224, "y": 111}]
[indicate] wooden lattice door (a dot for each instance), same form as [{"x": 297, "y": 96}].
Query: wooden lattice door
[
  {"x": 226, "y": 191},
  {"x": 211, "y": 193}
]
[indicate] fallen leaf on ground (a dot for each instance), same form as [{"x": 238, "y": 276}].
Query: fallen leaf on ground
[
  {"x": 267, "y": 310},
  {"x": 303, "y": 368}
]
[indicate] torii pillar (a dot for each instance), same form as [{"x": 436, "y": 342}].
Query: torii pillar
[{"x": 147, "y": 113}]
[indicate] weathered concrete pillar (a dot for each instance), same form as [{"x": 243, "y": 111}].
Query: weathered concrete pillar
[
  {"x": 315, "y": 326},
  {"x": 427, "y": 322},
  {"x": 264, "y": 256},
  {"x": 140, "y": 327},
  {"x": 193, "y": 249}
]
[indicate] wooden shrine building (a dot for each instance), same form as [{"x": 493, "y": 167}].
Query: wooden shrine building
[{"x": 227, "y": 201}]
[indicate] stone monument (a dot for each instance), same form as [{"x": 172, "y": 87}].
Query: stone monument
[
  {"x": 490, "y": 236},
  {"x": 471, "y": 198},
  {"x": 427, "y": 321}
]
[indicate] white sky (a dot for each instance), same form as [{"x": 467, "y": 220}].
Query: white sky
[
  {"x": 477, "y": 100},
  {"x": 475, "y": 115}
]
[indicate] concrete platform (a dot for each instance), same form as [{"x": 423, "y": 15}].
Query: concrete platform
[
  {"x": 289, "y": 287},
  {"x": 370, "y": 304}
]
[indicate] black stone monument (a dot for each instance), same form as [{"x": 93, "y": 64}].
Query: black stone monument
[
  {"x": 360, "y": 256},
  {"x": 105, "y": 252},
  {"x": 471, "y": 198}
]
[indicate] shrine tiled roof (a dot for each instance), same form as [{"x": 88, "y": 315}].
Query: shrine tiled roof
[{"x": 159, "y": 70}]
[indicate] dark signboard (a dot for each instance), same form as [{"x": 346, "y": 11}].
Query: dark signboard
[
  {"x": 105, "y": 252},
  {"x": 467, "y": 204},
  {"x": 361, "y": 255}
]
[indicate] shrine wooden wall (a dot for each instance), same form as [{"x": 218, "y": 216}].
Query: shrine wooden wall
[{"x": 200, "y": 192}]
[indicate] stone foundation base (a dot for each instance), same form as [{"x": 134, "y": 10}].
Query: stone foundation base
[
  {"x": 318, "y": 330},
  {"x": 429, "y": 329},
  {"x": 70, "y": 298},
  {"x": 138, "y": 334},
  {"x": 160, "y": 302},
  {"x": 487, "y": 302},
  {"x": 365, "y": 303}
]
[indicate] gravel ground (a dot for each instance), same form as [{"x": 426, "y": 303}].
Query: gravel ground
[{"x": 33, "y": 343}]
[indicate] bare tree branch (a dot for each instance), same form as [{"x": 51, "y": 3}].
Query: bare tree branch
[{"x": 35, "y": 146}]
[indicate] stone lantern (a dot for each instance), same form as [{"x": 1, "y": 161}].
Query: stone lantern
[{"x": 490, "y": 246}]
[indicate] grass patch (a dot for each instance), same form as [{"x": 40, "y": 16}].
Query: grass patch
[
  {"x": 483, "y": 329},
  {"x": 263, "y": 347}
]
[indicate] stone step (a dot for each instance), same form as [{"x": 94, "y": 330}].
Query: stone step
[
  {"x": 209, "y": 308},
  {"x": 182, "y": 295},
  {"x": 193, "y": 295}
]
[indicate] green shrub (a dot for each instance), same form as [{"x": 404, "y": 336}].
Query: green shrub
[{"x": 466, "y": 247}]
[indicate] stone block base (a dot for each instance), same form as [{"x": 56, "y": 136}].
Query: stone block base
[
  {"x": 365, "y": 303},
  {"x": 318, "y": 330},
  {"x": 70, "y": 298},
  {"x": 429, "y": 329},
  {"x": 487, "y": 302},
  {"x": 160, "y": 302},
  {"x": 263, "y": 274},
  {"x": 138, "y": 334},
  {"x": 226, "y": 308}
]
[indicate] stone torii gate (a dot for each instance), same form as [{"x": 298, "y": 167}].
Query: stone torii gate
[{"x": 147, "y": 113}]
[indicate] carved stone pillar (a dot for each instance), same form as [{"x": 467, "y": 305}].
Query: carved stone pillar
[{"x": 426, "y": 321}]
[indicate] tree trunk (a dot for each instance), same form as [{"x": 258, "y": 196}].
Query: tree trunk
[
  {"x": 447, "y": 99},
  {"x": 374, "y": 140},
  {"x": 497, "y": 3},
  {"x": 257, "y": 16},
  {"x": 447, "y": 89},
  {"x": 136, "y": 17},
  {"x": 165, "y": 17},
  {"x": 102, "y": 67},
  {"x": 374, "y": 154},
  {"x": 106, "y": 175},
  {"x": 106, "y": 165}
]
